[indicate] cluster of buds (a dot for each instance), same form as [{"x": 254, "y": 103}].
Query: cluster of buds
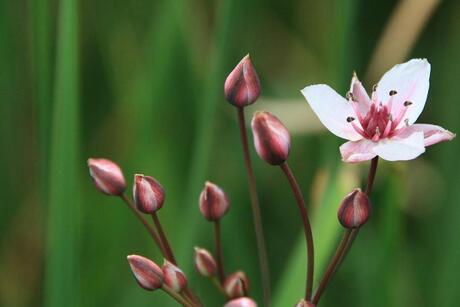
[{"x": 272, "y": 143}]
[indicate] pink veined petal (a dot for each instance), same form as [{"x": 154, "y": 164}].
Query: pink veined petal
[
  {"x": 401, "y": 148},
  {"x": 358, "y": 151},
  {"x": 411, "y": 81},
  {"x": 360, "y": 95},
  {"x": 332, "y": 110},
  {"x": 433, "y": 134}
]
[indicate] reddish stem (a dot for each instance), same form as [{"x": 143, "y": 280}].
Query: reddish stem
[
  {"x": 220, "y": 258},
  {"x": 306, "y": 227},
  {"x": 164, "y": 240}
]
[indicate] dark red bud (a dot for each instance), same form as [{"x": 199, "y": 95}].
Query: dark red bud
[
  {"x": 236, "y": 285},
  {"x": 354, "y": 209},
  {"x": 107, "y": 176},
  {"x": 174, "y": 278},
  {"x": 205, "y": 263},
  {"x": 147, "y": 273},
  {"x": 148, "y": 194},
  {"x": 242, "y": 86},
  {"x": 271, "y": 138},
  {"x": 241, "y": 302},
  {"x": 213, "y": 202}
]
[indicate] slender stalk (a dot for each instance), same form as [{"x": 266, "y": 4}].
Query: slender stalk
[
  {"x": 179, "y": 298},
  {"x": 306, "y": 227},
  {"x": 332, "y": 266},
  {"x": 147, "y": 226},
  {"x": 218, "y": 245},
  {"x": 256, "y": 215},
  {"x": 164, "y": 240},
  {"x": 218, "y": 285},
  {"x": 347, "y": 241}
]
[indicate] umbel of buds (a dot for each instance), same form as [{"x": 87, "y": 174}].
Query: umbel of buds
[
  {"x": 241, "y": 302},
  {"x": 354, "y": 209},
  {"x": 148, "y": 194},
  {"x": 205, "y": 263},
  {"x": 107, "y": 176},
  {"x": 174, "y": 278},
  {"x": 147, "y": 273},
  {"x": 242, "y": 86},
  {"x": 304, "y": 303},
  {"x": 236, "y": 285},
  {"x": 213, "y": 202},
  {"x": 271, "y": 138}
]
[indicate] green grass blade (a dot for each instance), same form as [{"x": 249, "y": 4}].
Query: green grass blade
[{"x": 61, "y": 284}]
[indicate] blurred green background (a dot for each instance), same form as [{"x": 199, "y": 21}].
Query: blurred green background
[{"x": 141, "y": 83}]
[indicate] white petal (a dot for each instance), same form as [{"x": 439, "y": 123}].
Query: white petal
[
  {"x": 433, "y": 134},
  {"x": 401, "y": 149},
  {"x": 332, "y": 110},
  {"x": 358, "y": 151},
  {"x": 411, "y": 81},
  {"x": 360, "y": 95}
]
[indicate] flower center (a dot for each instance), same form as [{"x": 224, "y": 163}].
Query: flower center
[{"x": 378, "y": 123}]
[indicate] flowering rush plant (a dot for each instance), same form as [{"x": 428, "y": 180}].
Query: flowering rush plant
[{"x": 380, "y": 125}]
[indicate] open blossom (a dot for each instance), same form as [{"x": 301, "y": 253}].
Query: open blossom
[{"x": 383, "y": 124}]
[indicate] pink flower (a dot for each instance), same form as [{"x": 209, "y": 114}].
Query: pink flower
[{"x": 382, "y": 125}]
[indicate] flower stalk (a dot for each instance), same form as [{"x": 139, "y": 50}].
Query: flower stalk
[
  {"x": 164, "y": 240},
  {"x": 219, "y": 255},
  {"x": 306, "y": 227},
  {"x": 255, "y": 206}
]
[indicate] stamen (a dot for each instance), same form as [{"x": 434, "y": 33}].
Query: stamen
[
  {"x": 359, "y": 130},
  {"x": 407, "y": 103},
  {"x": 393, "y": 92},
  {"x": 350, "y": 96},
  {"x": 387, "y": 130},
  {"x": 376, "y": 136},
  {"x": 350, "y": 119},
  {"x": 406, "y": 121},
  {"x": 354, "y": 105},
  {"x": 374, "y": 87}
]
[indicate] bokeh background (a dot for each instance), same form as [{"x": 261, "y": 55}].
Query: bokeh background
[{"x": 141, "y": 83}]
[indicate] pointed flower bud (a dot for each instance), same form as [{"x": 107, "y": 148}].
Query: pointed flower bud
[
  {"x": 241, "y": 302},
  {"x": 304, "y": 303},
  {"x": 242, "y": 86},
  {"x": 107, "y": 176},
  {"x": 205, "y": 263},
  {"x": 354, "y": 209},
  {"x": 236, "y": 285},
  {"x": 148, "y": 194},
  {"x": 147, "y": 273},
  {"x": 271, "y": 138},
  {"x": 213, "y": 202},
  {"x": 174, "y": 278}
]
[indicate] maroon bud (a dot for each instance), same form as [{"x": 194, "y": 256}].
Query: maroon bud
[
  {"x": 214, "y": 202},
  {"x": 147, "y": 273},
  {"x": 205, "y": 263},
  {"x": 354, "y": 209},
  {"x": 107, "y": 176},
  {"x": 148, "y": 194},
  {"x": 242, "y": 86},
  {"x": 304, "y": 303},
  {"x": 271, "y": 138},
  {"x": 236, "y": 285},
  {"x": 241, "y": 302},
  {"x": 174, "y": 278}
]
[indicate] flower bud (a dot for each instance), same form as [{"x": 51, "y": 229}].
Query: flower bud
[
  {"x": 241, "y": 302},
  {"x": 304, "y": 303},
  {"x": 242, "y": 86},
  {"x": 107, "y": 176},
  {"x": 148, "y": 194},
  {"x": 236, "y": 285},
  {"x": 174, "y": 278},
  {"x": 147, "y": 273},
  {"x": 205, "y": 263},
  {"x": 354, "y": 209},
  {"x": 271, "y": 138},
  {"x": 213, "y": 202}
]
